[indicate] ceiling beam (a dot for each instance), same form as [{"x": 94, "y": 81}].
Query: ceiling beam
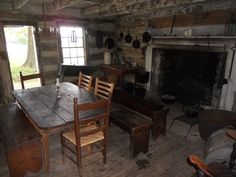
[
  {"x": 198, "y": 8},
  {"x": 121, "y": 7},
  {"x": 17, "y": 4},
  {"x": 61, "y": 4}
]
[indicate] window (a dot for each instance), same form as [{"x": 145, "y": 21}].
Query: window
[{"x": 72, "y": 44}]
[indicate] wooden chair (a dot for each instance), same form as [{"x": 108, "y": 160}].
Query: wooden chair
[
  {"x": 85, "y": 81},
  {"x": 211, "y": 170},
  {"x": 29, "y": 77},
  {"x": 94, "y": 135},
  {"x": 216, "y": 169},
  {"x": 103, "y": 89}
]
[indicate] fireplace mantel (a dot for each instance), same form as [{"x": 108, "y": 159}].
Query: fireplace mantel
[
  {"x": 210, "y": 43},
  {"x": 195, "y": 37}
]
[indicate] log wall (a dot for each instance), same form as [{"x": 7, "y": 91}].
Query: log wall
[
  {"x": 213, "y": 23},
  {"x": 95, "y": 55}
]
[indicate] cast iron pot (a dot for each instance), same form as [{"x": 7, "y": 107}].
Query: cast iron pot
[
  {"x": 128, "y": 38},
  {"x": 146, "y": 37},
  {"x": 136, "y": 43},
  {"x": 109, "y": 43}
]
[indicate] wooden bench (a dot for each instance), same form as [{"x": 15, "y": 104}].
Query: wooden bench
[
  {"x": 22, "y": 143},
  {"x": 158, "y": 113},
  {"x": 136, "y": 125}
]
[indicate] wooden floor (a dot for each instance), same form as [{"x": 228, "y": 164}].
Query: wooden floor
[{"x": 166, "y": 158}]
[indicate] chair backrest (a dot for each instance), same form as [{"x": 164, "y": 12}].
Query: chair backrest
[
  {"x": 196, "y": 162},
  {"x": 29, "y": 77},
  {"x": 85, "y": 81},
  {"x": 97, "y": 111},
  {"x": 103, "y": 89}
]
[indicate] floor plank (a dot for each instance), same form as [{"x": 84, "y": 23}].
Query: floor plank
[{"x": 166, "y": 158}]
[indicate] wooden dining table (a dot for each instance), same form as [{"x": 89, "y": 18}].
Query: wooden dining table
[{"x": 51, "y": 111}]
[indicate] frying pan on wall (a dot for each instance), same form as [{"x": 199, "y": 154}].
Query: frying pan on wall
[
  {"x": 146, "y": 37},
  {"x": 136, "y": 43},
  {"x": 109, "y": 43},
  {"x": 128, "y": 38}
]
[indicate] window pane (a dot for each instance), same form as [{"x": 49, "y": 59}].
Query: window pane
[
  {"x": 73, "y": 52},
  {"x": 81, "y": 61},
  {"x": 66, "y": 53},
  {"x": 72, "y": 43},
  {"x": 78, "y": 61},
  {"x": 79, "y": 32},
  {"x": 73, "y": 61},
  {"x": 64, "y": 31},
  {"x": 64, "y": 42},
  {"x": 79, "y": 42},
  {"x": 67, "y": 61},
  {"x": 80, "y": 51}
]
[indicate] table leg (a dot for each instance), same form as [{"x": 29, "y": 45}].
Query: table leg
[{"x": 45, "y": 152}]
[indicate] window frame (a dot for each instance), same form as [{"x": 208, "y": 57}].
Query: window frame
[{"x": 84, "y": 42}]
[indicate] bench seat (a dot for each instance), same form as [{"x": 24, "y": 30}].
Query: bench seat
[
  {"x": 136, "y": 125},
  {"x": 21, "y": 141},
  {"x": 158, "y": 113}
]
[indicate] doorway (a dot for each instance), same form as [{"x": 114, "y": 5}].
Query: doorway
[{"x": 21, "y": 49}]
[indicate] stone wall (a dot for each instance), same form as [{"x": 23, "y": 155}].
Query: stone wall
[{"x": 197, "y": 23}]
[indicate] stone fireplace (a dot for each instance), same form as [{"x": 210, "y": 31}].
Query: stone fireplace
[
  {"x": 193, "y": 77},
  {"x": 194, "y": 71}
]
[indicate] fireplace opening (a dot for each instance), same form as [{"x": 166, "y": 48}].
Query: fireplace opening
[{"x": 192, "y": 77}]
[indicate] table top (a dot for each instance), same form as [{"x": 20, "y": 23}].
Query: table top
[
  {"x": 47, "y": 111},
  {"x": 120, "y": 68}
]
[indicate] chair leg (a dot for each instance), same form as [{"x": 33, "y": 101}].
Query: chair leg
[
  {"x": 79, "y": 162},
  {"x": 104, "y": 152},
  {"x": 62, "y": 148},
  {"x": 188, "y": 131},
  {"x": 172, "y": 123}
]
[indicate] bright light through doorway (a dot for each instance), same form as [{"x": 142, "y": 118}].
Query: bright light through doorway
[{"x": 22, "y": 55}]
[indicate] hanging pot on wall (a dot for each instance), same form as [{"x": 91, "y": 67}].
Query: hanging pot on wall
[
  {"x": 136, "y": 43},
  {"x": 146, "y": 37},
  {"x": 128, "y": 38},
  {"x": 109, "y": 43}
]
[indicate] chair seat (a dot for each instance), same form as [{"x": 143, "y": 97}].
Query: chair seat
[{"x": 86, "y": 140}]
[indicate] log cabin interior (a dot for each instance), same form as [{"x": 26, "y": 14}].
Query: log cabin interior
[{"x": 174, "y": 101}]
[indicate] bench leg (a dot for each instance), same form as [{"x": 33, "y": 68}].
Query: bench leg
[
  {"x": 159, "y": 123},
  {"x": 139, "y": 141}
]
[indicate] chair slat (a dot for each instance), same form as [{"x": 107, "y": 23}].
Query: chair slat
[
  {"x": 103, "y": 89},
  {"x": 24, "y": 78},
  {"x": 85, "y": 81}
]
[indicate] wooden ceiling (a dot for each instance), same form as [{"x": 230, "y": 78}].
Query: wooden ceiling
[{"x": 108, "y": 8}]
